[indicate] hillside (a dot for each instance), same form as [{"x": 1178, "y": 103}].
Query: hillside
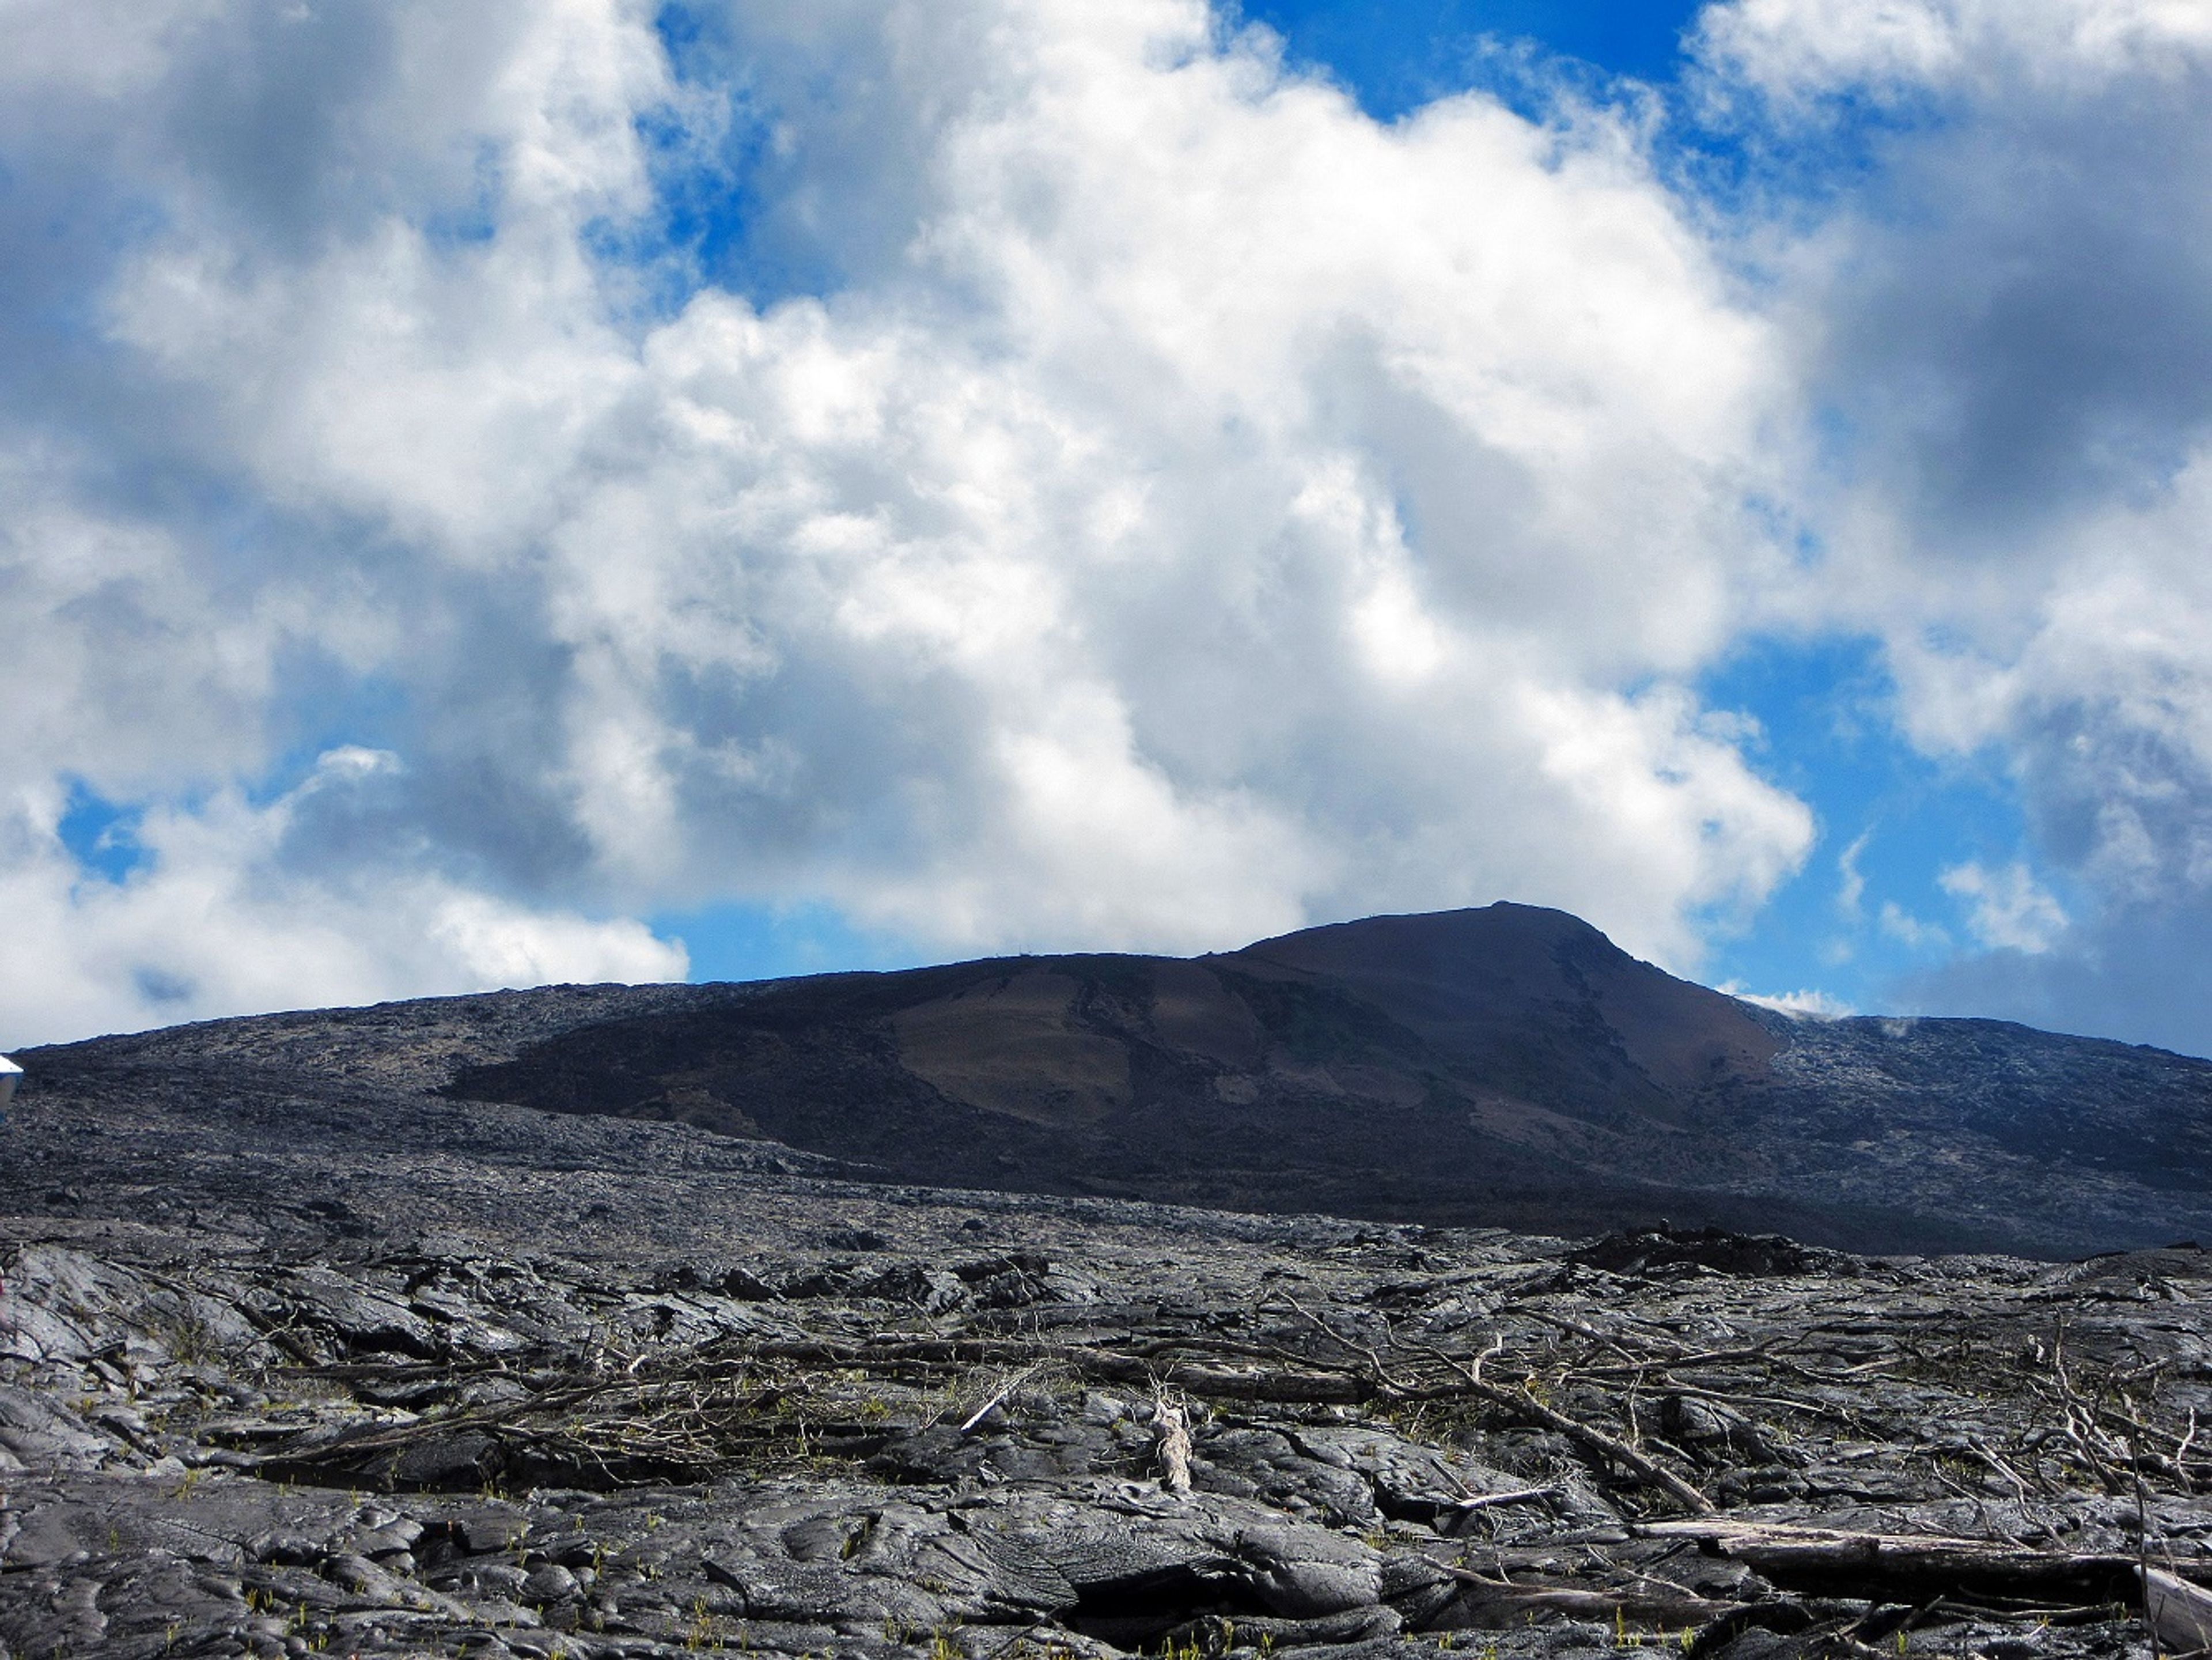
[
  {"x": 301, "y": 1352},
  {"x": 1506, "y": 1066},
  {"x": 295, "y": 1359}
]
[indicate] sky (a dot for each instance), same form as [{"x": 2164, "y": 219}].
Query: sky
[{"x": 591, "y": 489}]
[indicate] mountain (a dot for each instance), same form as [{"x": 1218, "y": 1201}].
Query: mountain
[
  {"x": 301, "y": 1359},
  {"x": 309, "y": 1346},
  {"x": 1505, "y": 1066}
]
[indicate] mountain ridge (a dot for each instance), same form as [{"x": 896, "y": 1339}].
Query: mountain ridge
[{"x": 1508, "y": 1065}]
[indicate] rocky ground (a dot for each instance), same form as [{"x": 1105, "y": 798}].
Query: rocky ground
[{"x": 296, "y": 1357}]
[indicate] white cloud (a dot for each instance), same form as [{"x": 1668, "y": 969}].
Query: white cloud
[
  {"x": 1799, "y": 50},
  {"x": 1198, "y": 509},
  {"x": 217, "y": 923},
  {"x": 2007, "y": 911},
  {"x": 1188, "y": 508},
  {"x": 2004, "y": 317},
  {"x": 1851, "y": 881}
]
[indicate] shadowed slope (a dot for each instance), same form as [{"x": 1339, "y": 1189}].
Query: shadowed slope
[
  {"x": 1537, "y": 1004},
  {"x": 1508, "y": 1065}
]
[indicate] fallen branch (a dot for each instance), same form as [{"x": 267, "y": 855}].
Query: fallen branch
[
  {"x": 1521, "y": 1403},
  {"x": 1338, "y": 1388},
  {"x": 1004, "y": 1390},
  {"x": 1589, "y": 1439},
  {"x": 1488, "y": 1500},
  {"x": 1509, "y": 1603},
  {"x": 2179, "y": 1613},
  {"x": 1905, "y": 1567}
]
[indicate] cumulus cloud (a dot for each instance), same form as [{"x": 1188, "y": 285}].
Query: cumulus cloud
[
  {"x": 1191, "y": 509},
  {"x": 215, "y": 922},
  {"x": 1088, "y": 486},
  {"x": 2003, "y": 321}
]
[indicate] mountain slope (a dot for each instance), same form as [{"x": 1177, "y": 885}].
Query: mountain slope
[
  {"x": 299, "y": 1349},
  {"x": 1507, "y": 1066}
]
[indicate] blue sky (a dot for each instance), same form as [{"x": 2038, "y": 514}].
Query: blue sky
[
  {"x": 1397, "y": 57},
  {"x": 531, "y": 494}
]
